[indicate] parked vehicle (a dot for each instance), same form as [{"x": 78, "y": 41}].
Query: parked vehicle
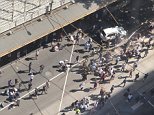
[{"x": 112, "y": 33}]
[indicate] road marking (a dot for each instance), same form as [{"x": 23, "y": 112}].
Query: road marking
[
  {"x": 37, "y": 87},
  {"x": 137, "y": 105},
  {"x": 66, "y": 78},
  {"x": 117, "y": 112},
  {"x": 31, "y": 91},
  {"x": 146, "y": 99}
]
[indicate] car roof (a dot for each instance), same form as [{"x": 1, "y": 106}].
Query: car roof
[{"x": 112, "y": 30}]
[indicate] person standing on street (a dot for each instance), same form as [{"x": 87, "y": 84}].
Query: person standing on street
[
  {"x": 117, "y": 60},
  {"x": 36, "y": 92},
  {"x": 145, "y": 77},
  {"x": 47, "y": 84},
  {"x": 17, "y": 102},
  {"x": 16, "y": 81},
  {"x": 29, "y": 85},
  {"x": 134, "y": 66},
  {"x": 77, "y": 59},
  {"x": 41, "y": 68},
  {"x": 31, "y": 77},
  {"x": 77, "y": 40},
  {"x": 84, "y": 76},
  {"x": 102, "y": 92},
  {"x": 95, "y": 85},
  {"x": 123, "y": 82},
  {"x": 146, "y": 52},
  {"x": 10, "y": 83},
  {"x": 112, "y": 88},
  {"x": 123, "y": 67},
  {"x": 44, "y": 89},
  {"x": 30, "y": 67},
  {"x": 136, "y": 76},
  {"x": 138, "y": 56},
  {"x": 19, "y": 86},
  {"x": 130, "y": 73},
  {"x": 36, "y": 54},
  {"x": 82, "y": 85}
]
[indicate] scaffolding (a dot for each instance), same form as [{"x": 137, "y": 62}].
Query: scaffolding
[{"x": 16, "y": 12}]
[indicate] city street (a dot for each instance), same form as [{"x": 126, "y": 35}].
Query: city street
[{"x": 65, "y": 85}]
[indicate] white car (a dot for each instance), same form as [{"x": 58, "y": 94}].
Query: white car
[{"x": 112, "y": 33}]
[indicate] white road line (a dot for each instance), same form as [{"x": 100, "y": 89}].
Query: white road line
[
  {"x": 64, "y": 87},
  {"x": 37, "y": 87},
  {"x": 117, "y": 112},
  {"x": 148, "y": 101},
  {"x": 31, "y": 91}
]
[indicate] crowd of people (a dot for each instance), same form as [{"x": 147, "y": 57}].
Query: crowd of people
[
  {"x": 17, "y": 86},
  {"x": 101, "y": 66}
]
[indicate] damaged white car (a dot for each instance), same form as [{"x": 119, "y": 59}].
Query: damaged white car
[{"x": 112, "y": 33}]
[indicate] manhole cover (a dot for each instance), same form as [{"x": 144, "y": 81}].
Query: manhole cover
[{"x": 48, "y": 74}]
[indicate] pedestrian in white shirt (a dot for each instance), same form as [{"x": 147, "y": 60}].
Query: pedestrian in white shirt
[{"x": 31, "y": 77}]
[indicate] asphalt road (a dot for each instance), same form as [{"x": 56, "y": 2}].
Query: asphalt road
[{"x": 51, "y": 59}]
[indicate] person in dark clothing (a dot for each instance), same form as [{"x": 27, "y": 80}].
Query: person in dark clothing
[
  {"x": 95, "y": 85},
  {"x": 77, "y": 40},
  {"x": 17, "y": 102},
  {"x": 84, "y": 76},
  {"x": 16, "y": 81},
  {"x": 130, "y": 73},
  {"x": 145, "y": 76},
  {"x": 30, "y": 67},
  {"x": 20, "y": 85},
  {"x": 36, "y": 92},
  {"x": 136, "y": 76},
  {"x": 77, "y": 59},
  {"x": 112, "y": 88},
  {"x": 123, "y": 82},
  {"x": 138, "y": 56},
  {"x": 1, "y": 105},
  {"x": 44, "y": 89},
  {"x": 41, "y": 68},
  {"x": 29, "y": 85},
  {"x": 128, "y": 90},
  {"x": 102, "y": 92},
  {"x": 10, "y": 83},
  {"x": 146, "y": 52}
]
